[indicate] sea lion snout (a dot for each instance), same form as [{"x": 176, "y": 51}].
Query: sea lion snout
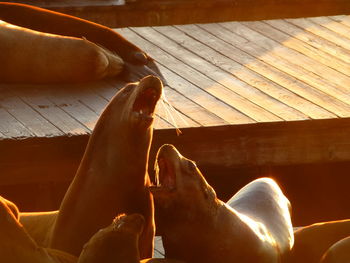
[
  {"x": 152, "y": 81},
  {"x": 148, "y": 92},
  {"x": 168, "y": 151}
]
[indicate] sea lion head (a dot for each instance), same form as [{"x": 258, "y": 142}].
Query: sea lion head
[
  {"x": 180, "y": 183},
  {"x": 137, "y": 102},
  {"x": 126, "y": 123},
  {"x": 116, "y": 243}
]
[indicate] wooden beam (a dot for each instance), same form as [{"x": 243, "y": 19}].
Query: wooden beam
[
  {"x": 159, "y": 12},
  {"x": 230, "y": 147}
]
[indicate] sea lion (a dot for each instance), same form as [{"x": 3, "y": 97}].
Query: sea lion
[
  {"x": 338, "y": 253},
  {"x": 312, "y": 241},
  {"x": 16, "y": 246},
  {"x": 30, "y": 56},
  {"x": 137, "y": 63},
  {"x": 112, "y": 177},
  {"x": 198, "y": 227},
  {"x": 118, "y": 243},
  {"x": 39, "y": 225}
]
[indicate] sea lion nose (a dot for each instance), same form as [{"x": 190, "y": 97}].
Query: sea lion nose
[
  {"x": 168, "y": 151},
  {"x": 151, "y": 80}
]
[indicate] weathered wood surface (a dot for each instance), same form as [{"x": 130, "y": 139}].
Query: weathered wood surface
[
  {"x": 122, "y": 13},
  {"x": 270, "y": 92}
]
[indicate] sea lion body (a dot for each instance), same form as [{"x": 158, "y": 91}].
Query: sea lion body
[
  {"x": 112, "y": 177},
  {"x": 338, "y": 253},
  {"x": 198, "y": 227},
  {"x": 30, "y": 56},
  {"x": 137, "y": 63},
  {"x": 312, "y": 241},
  {"x": 118, "y": 243},
  {"x": 39, "y": 225},
  {"x": 263, "y": 201},
  {"x": 16, "y": 246}
]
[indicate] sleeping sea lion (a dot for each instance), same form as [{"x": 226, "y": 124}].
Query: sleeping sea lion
[
  {"x": 30, "y": 56},
  {"x": 118, "y": 243},
  {"x": 137, "y": 63},
  {"x": 338, "y": 253},
  {"x": 112, "y": 177},
  {"x": 198, "y": 227},
  {"x": 16, "y": 246},
  {"x": 312, "y": 241}
]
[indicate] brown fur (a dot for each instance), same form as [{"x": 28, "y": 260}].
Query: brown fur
[
  {"x": 311, "y": 242},
  {"x": 118, "y": 243},
  {"x": 17, "y": 246},
  {"x": 30, "y": 56},
  {"x": 39, "y": 225},
  {"x": 112, "y": 176},
  {"x": 198, "y": 227},
  {"x": 136, "y": 63},
  {"x": 338, "y": 253}
]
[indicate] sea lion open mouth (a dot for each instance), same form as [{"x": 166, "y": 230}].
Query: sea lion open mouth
[
  {"x": 147, "y": 98},
  {"x": 165, "y": 170}
]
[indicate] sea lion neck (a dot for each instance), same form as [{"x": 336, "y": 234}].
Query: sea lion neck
[{"x": 112, "y": 176}]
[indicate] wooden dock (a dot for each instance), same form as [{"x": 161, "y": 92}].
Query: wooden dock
[{"x": 262, "y": 93}]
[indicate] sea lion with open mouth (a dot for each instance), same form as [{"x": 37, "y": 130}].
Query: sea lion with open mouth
[
  {"x": 112, "y": 177},
  {"x": 117, "y": 243},
  {"x": 198, "y": 227},
  {"x": 137, "y": 64}
]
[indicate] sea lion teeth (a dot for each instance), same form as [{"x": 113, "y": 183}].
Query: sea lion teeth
[{"x": 254, "y": 226}]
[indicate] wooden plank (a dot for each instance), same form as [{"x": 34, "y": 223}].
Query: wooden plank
[
  {"x": 11, "y": 127},
  {"x": 218, "y": 38},
  {"x": 29, "y": 116},
  {"x": 345, "y": 20},
  {"x": 273, "y": 58},
  {"x": 276, "y": 69},
  {"x": 74, "y": 108},
  {"x": 158, "y": 247},
  {"x": 210, "y": 89},
  {"x": 341, "y": 80},
  {"x": 222, "y": 84},
  {"x": 190, "y": 91},
  {"x": 310, "y": 39},
  {"x": 336, "y": 27},
  {"x": 323, "y": 32},
  {"x": 288, "y": 101},
  {"x": 191, "y": 109},
  {"x": 297, "y": 45},
  {"x": 54, "y": 114}
]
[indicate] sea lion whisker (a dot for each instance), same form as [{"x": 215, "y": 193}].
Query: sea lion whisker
[
  {"x": 168, "y": 113},
  {"x": 173, "y": 109}
]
